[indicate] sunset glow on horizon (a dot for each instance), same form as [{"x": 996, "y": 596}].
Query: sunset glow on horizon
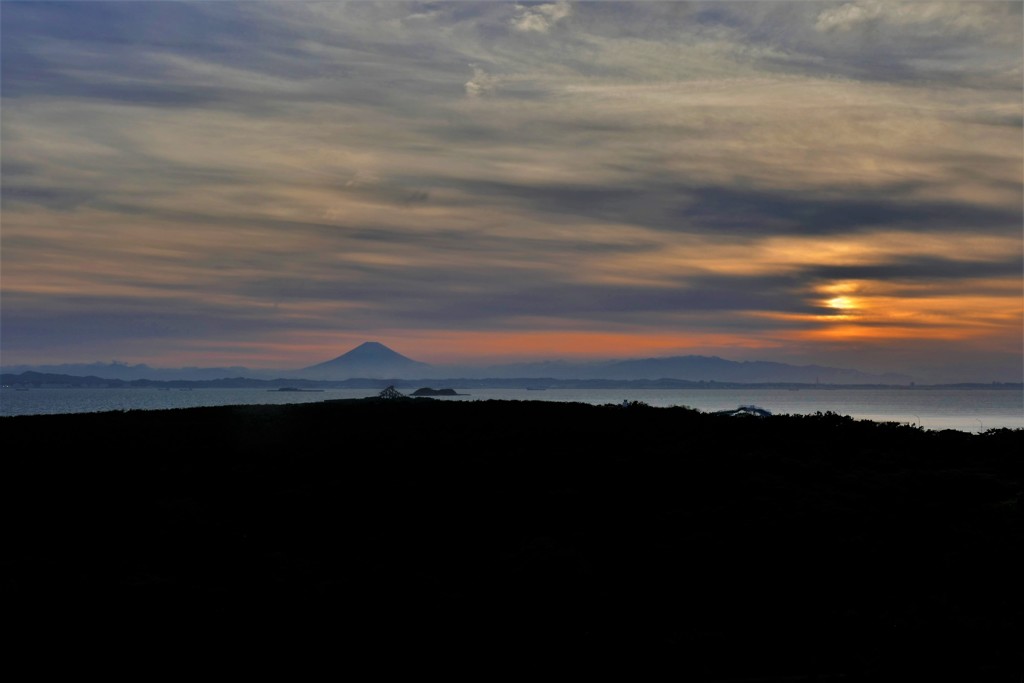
[{"x": 271, "y": 184}]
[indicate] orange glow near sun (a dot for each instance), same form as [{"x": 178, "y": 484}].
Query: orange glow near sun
[{"x": 445, "y": 346}]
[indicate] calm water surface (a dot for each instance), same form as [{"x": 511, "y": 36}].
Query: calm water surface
[{"x": 966, "y": 410}]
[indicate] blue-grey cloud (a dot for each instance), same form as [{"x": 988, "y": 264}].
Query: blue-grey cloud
[
  {"x": 735, "y": 211},
  {"x": 923, "y": 269}
]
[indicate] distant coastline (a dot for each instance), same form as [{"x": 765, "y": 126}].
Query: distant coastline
[{"x": 41, "y": 379}]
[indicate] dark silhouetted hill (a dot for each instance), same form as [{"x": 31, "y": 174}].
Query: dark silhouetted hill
[{"x": 388, "y": 532}]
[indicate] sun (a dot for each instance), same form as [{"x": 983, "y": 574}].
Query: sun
[
  {"x": 841, "y": 299},
  {"x": 842, "y": 303}
]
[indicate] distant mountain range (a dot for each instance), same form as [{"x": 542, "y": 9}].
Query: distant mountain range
[
  {"x": 703, "y": 368},
  {"x": 375, "y": 361},
  {"x": 128, "y": 373}
]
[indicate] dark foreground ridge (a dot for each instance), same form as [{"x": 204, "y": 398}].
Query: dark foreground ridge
[{"x": 737, "y": 548}]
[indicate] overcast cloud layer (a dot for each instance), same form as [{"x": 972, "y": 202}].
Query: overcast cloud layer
[{"x": 271, "y": 183}]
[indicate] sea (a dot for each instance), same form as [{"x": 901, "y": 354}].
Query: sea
[{"x": 968, "y": 410}]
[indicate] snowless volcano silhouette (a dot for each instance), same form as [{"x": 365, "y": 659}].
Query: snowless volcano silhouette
[{"x": 369, "y": 359}]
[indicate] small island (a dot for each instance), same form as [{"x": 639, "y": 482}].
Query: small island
[
  {"x": 427, "y": 391},
  {"x": 294, "y": 389}
]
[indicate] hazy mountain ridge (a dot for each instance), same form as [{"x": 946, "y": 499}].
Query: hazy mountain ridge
[
  {"x": 375, "y": 361},
  {"x": 698, "y": 369},
  {"x": 128, "y": 373}
]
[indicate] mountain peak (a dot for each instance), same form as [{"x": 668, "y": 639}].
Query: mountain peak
[
  {"x": 372, "y": 350},
  {"x": 369, "y": 359}
]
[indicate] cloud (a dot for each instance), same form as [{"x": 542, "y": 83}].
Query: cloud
[
  {"x": 540, "y": 18},
  {"x": 945, "y": 16},
  {"x": 481, "y": 84},
  {"x": 848, "y": 15}
]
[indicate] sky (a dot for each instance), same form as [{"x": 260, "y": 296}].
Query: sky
[{"x": 269, "y": 184}]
